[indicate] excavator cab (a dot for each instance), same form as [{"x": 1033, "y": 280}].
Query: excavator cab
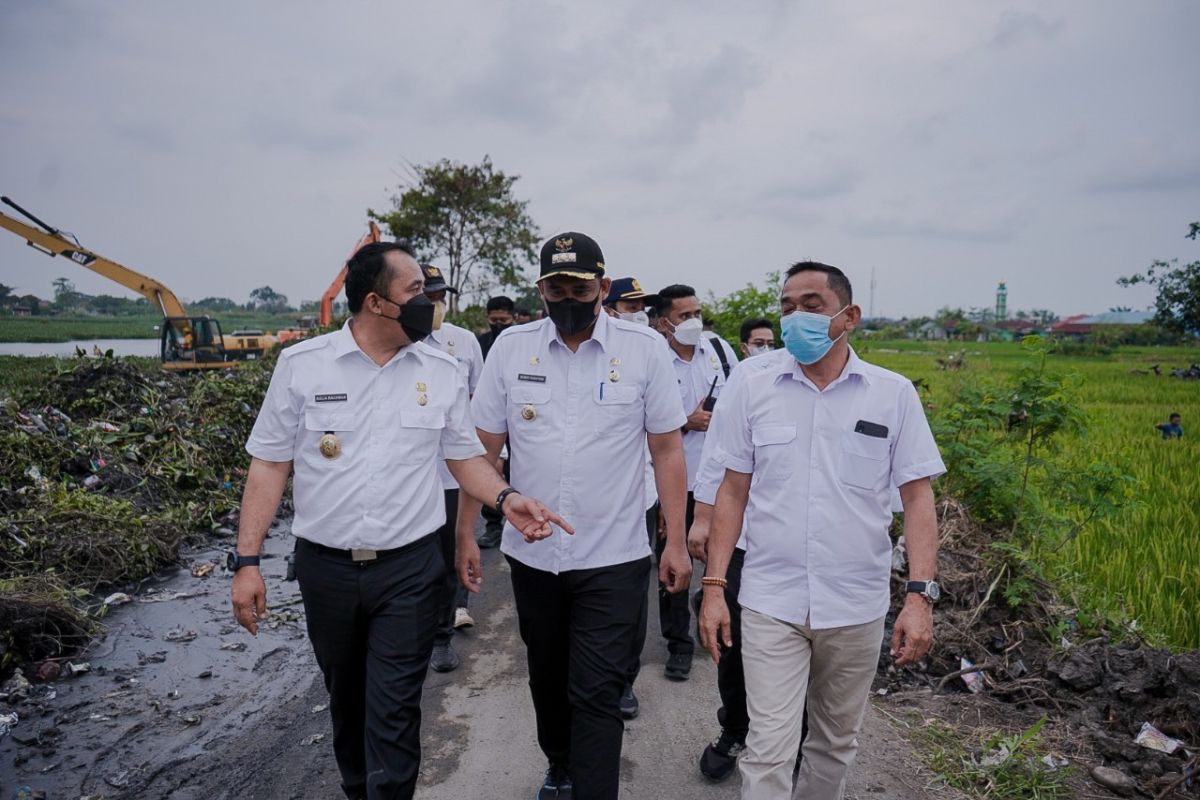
[{"x": 191, "y": 342}]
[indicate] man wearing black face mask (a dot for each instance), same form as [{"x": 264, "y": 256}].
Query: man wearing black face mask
[
  {"x": 362, "y": 414},
  {"x": 501, "y": 315},
  {"x": 578, "y": 397}
]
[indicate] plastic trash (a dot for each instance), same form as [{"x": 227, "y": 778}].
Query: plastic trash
[
  {"x": 1152, "y": 738},
  {"x": 973, "y": 680},
  {"x": 315, "y": 738},
  {"x": 202, "y": 569},
  {"x": 117, "y": 599},
  {"x": 7, "y": 723},
  {"x": 179, "y": 635}
]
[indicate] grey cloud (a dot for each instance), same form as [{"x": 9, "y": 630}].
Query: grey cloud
[
  {"x": 1148, "y": 178},
  {"x": 318, "y": 137},
  {"x": 149, "y": 137},
  {"x": 902, "y": 227},
  {"x": 1016, "y": 27},
  {"x": 710, "y": 90}
]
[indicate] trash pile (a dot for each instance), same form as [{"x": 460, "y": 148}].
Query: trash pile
[
  {"x": 106, "y": 468},
  {"x": 1130, "y": 709}
]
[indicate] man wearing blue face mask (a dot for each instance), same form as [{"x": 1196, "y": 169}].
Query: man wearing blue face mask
[{"x": 811, "y": 444}]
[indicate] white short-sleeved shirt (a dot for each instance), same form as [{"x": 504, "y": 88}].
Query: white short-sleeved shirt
[
  {"x": 817, "y": 546},
  {"x": 461, "y": 345},
  {"x": 695, "y": 379},
  {"x": 382, "y": 491},
  {"x": 577, "y": 425}
]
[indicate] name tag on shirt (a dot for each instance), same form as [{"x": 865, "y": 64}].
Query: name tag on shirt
[
  {"x": 331, "y": 398},
  {"x": 521, "y": 376}
]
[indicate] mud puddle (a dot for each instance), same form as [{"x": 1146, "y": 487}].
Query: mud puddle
[{"x": 172, "y": 679}]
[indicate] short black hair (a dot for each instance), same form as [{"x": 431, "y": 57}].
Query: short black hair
[
  {"x": 753, "y": 324},
  {"x": 668, "y": 296},
  {"x": 501, "y": 303},
  {"x": 836, "y": 278},
  {"x": 522, "y": 311},
  {"x": 366, "y": 272},
  {"x": 1175, "y": 414}
]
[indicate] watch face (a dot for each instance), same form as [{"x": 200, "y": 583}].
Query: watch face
[
  {"x": 933, "y": 590},
  {"x": 230, "y": 562}
]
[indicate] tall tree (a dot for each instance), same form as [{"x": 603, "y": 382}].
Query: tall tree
[
  {"x": 1177, "y": 307},
  {"x": 466, "y": 219},
  {"x": 64, "y": 292},
  {"x": 6, "y": 294}
]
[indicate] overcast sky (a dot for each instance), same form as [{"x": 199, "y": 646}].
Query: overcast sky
[{"x": 222, "y": 146}]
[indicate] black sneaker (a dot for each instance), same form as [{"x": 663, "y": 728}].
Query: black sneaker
[
  {"x": 444, "y": 659},
  {"x": 679, "y": 666},
  {"x": 629, "y": 703},
  {"x": 556, "y": 785},
  {"x": 719, "y": 759},
  {"x": 490, "y": 537}
]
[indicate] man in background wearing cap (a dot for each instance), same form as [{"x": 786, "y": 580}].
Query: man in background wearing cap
[
  {"x": 627, "y": 301},
  {"x": 461, "y": 345},
  {"x": 700, "y": 368},
  {"x": 578, "y": 396}
]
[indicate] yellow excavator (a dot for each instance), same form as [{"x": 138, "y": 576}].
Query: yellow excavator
[{"x": 185, "y": 341}]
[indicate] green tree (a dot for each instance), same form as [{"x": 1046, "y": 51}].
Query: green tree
[
  {"x": 6, "y": 295},
  {"x": 466, "y": 219},
  {"x": 264, "y": 298},
  {"x": 1177, "y": 307},
  {"x": 64, "y": 292},
  {"x": 216, "y": 304},
  {"x": 729, "y": 312}
]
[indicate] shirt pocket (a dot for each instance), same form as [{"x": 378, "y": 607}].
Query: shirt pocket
[
  {"x": 865, "y": 461},
  {"x": 529, "y": 415},
  {"x": 342, "y": 425},
  {"x": 420, "y": 434},
  {"x": 774, "y": 450},
  {"x": 619, "y": 410}
]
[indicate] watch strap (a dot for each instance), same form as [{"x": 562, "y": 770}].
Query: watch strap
[{"x": 500, "y": 498}]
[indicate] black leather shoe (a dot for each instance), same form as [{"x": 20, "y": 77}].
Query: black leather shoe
[
  {"x": 679, "y": 666},
  {"x": 629, "y": 703},
  {"x": 556, "y": 785},
  {"x": 719, "y": 759},
  {"x": 444, "y": 659}
]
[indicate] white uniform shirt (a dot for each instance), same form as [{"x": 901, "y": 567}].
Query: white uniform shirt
[
  {"x": 383, "y": 490},
  {"x": 695, "y": 379},
  {"x": 461, "y": 345},
  {"x": 576, "y": 425},
  {"x": 817, "y": 546}
]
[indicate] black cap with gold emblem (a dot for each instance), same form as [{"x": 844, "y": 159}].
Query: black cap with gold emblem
[
  {"x": 572, "y": 254},
  {"x": 435, "y": 279}
]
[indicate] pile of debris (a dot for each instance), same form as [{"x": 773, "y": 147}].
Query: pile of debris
[
  {"x": 106, "y": 468},
  {"x": 1129, "y": 711}
]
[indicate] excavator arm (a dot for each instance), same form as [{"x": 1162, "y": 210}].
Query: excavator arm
[
  {"x": 53, "y": 242},
  {"x": 326, "y": 318}
]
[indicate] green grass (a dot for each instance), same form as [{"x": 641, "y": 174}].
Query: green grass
[
  {"x": 65, "y": 328},
  {"x": 1143, "y": 565}
]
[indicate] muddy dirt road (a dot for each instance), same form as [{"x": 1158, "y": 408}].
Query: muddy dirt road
[{"x": 181, "y": 704}]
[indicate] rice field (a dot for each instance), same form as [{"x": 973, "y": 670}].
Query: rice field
[{"x": 1143, "y": 565}]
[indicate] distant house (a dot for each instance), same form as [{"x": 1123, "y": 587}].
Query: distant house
[
  {"x": 931, "y": 330},
  {"x": 22, "y": 311},
  {"x": 1081, "y": 325},
  {"x": 1009, "y": 329}
]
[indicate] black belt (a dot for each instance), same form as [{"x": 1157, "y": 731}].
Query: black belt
[{"x": 362, "y": 555}]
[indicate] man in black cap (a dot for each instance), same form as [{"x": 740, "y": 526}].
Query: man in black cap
[
  {"x": 578, "y": 397},
  {"x": 461, "y": 345}
]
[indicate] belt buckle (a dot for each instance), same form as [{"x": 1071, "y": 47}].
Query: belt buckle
[{"x": 363, "y": 555}]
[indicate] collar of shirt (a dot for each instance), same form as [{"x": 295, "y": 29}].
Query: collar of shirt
[
  {"x": 790, "y": 368},
  {"x": 550, "y": 334},
  {"x": 343, "y": 343}
]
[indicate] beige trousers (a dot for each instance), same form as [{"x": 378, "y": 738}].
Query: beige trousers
[{"x": 784, "y": 662}]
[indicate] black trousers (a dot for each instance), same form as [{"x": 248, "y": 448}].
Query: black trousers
[
  {"x": 674, "y": 615},
  {"x": 371, "y": 626},
  {"x": 577, "y": 627},
  {"x": 454, "y": 594},
  {"x": 639, "y": 638}
]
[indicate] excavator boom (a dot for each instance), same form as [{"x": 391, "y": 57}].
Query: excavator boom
[
  {"x": 326, "y": 318},
  {"x": 52, "y": 242}
]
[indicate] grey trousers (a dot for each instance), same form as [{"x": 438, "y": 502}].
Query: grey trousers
[{"x": 780, "y": 660}]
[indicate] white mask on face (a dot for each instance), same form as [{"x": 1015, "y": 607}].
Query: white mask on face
[
  {"x": 636, "y": 317},
  {"x": 758, "y": 349},
  {"x": 689, "y": 331}
]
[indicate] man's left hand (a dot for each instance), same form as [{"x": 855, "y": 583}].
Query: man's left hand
[
  {"x": 532, "y": 518},
  {"x": 913, "y": 635},
  {"x": 675, "y": 569}
]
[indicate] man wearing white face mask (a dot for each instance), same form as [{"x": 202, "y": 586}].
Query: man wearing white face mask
[
  {"x": 757, "y": 337},
  {"x": 701, "y": 367},
  {"x": 811, "y": 444}
]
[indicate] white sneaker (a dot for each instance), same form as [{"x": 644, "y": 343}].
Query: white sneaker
[{"x": 462, "y": 618}]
